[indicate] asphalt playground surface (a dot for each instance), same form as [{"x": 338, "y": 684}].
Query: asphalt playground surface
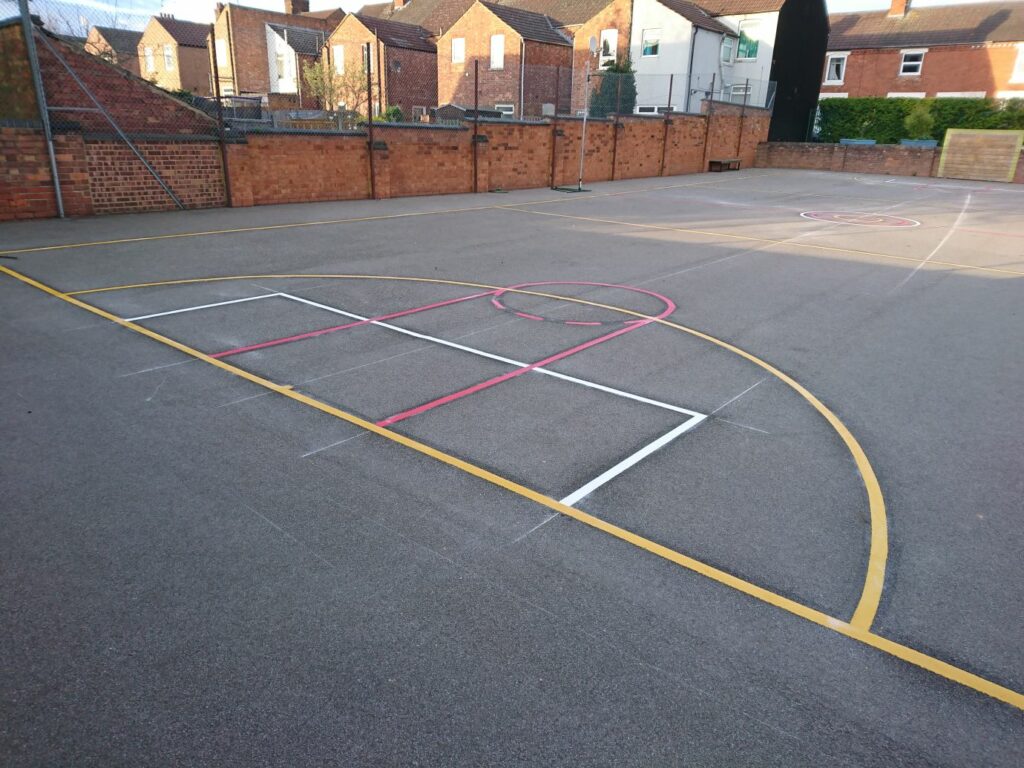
[{"x": 662, "y": 473}]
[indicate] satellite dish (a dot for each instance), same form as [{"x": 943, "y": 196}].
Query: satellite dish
[{"x": 593, "y": 45}]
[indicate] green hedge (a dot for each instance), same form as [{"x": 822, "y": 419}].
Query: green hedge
[{"x": 882, "y": 119}]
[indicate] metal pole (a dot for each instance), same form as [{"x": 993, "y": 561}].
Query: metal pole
[
  {"x": 476, "y": 119},
  {"x": 369, "y": 120},
  {"x": 37, "y": 81},
  {"x": 220, "y": 117},
  {"x": 380, "y": 76},
  {"x": 558, "y": 77},
  {"x": 586, "y": 112},
  {"x": 114, "y": 125},
  {"x": 743, "y": 114},
  {"x": 707, "y": 121},
  {"x": 668, "y": 120}
]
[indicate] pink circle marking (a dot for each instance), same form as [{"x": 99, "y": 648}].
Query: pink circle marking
[{"x": 670, "y": 306}]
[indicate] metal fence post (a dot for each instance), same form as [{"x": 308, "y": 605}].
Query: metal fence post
[
  {"x": 476, "y": 120},
  {"x": 743, "y": 115},
  {"x": 668, "y": 121},
  {"x": 369, "y": 120},
  {"x": 37, "y": 82},
  {"x": 220, "y": 116},
  {"x": 586, "y": 111}
]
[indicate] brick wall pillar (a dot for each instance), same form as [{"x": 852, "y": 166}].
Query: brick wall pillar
[
  {"x": 381, "y": 170},
  {"x": 483, "y": 163}
]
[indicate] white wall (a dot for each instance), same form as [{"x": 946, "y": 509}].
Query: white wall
[
  {"x": 761, "y": 67},
  {"x": 673, "y": 56},
  {"x": 275, "y": 47}
]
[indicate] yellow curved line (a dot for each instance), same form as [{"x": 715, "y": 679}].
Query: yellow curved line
[
  {"x": 878, "y": 551},
  {"x": 860, "y": 634}
]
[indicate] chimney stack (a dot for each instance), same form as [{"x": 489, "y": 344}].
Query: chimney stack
[
  {"x": 398, "y": 4},
  {"x": 898, "y": 8},
  {"x": 294, "y": 7}
]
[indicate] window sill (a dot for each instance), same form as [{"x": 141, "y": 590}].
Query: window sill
[{"x": 833, "y": 83}]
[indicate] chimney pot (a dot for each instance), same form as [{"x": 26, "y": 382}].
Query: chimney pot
[
  {"x": 899, "y": 8},
  {"x": 294, "y": 7}
]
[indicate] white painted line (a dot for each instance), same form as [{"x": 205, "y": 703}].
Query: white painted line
[
  {"x": 332, "y": 445},
  {"x": 201, "y": 306},
  {"x": 500, "y": 359},
  {"x": 942, "y": 242},
  {"x": 628, "y": 462},
  {"x": 541, "y": 524},
  {"x": 732, "y": 400}
]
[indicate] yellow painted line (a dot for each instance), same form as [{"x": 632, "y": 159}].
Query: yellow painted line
[
  {"x": 353, "y": 220},
  {"x": 865, "y": 636},
  {"x": 878, "y": 551},
  {"x": 771, "y": 241}
]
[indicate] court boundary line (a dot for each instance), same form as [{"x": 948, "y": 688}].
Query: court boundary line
[
  {"x": 847, "y": 629},
  {"x": 867, "y": 606},
  {"x": 199, "y": 307}
]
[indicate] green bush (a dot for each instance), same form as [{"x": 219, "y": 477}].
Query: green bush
[
  {"x": 884, "y": 119},
  {"x": 615, "y": 91},
  {"x": 919, "y": 122}
]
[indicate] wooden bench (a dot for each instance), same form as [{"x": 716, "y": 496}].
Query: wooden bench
[{"x": 728, "y": 164}]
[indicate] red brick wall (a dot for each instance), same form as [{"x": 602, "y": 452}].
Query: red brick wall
[
  {"x": 890, "y": 159},
  {"x": 26, "y": 187},
  {"x": 17, "y": 94},
  {"x": 547, "y": 68},
  {"x": 426, "y": 161},
  {"x": 518, "y": 155},
  {"x": 410, "y": 79},
  {"x": 684, "y": 150},
  {"x": 617, "y": 15},
  {"x": 119, "y": 183},
  {"x": 455, "y": 81},
  {"x": 269, "y": 169},
  {"x": 948, "y": 68},
  {"x": 728, "y": 122}
]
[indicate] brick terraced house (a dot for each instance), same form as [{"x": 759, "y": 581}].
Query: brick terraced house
[
  {"x": 403, "y": 54},
  {"x": 967, "y": 50},
  {"x": 172, "y": 54},
  {"x": 261, "y": 53},
  {"x": 521, "y": 54},
  {"x": 118, "y": 46}
]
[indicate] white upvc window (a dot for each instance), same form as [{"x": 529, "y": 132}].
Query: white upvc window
[
  {"x": 835, "y": 68},
  {"x": 338, "y": 52},
  {"x": 750, "y": 35},
  {"x": 1017, "y": 76},
  {"x": 458, "y": 50},
  {"x": 168, "y": 57},
  {"x": 609, "y": 47},
  {"x": 650, "y": 42},
  {"x": 497, "y": 51},
  {"x": 960, "y": 95},
  {"x": 418, "y": 112},
  {"x": 646, "y": 110},
  {"x": 221, "y": 47},
  {"x": 150, "y": 60},
  {"x": 905, "y": 95},
  {"x": 728, "y": 49},
  {"x": 912, "y": 61},
  {"x": 506, "y": 109}
]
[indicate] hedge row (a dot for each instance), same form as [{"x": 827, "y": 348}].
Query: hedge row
[{"x": 882, "y": 119}]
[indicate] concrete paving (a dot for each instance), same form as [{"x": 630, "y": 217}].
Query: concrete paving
[{"x": 198, "y": 570}]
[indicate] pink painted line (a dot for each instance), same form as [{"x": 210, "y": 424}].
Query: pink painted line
[
  {"x": 670, "y": 307},
  {"x": 503, "y": 377},
  {"x": 528, "y": 316},
  {"x": 497, "y": 303},
  {"x": 332, "y": 329},
  {"x": 582, "y": 322}
]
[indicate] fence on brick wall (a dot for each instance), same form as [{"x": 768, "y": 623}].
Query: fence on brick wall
[{"x": 81, "y": 133}]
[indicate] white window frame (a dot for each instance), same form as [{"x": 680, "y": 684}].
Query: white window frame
[
  {"x": 418, "y": 112},
  {"x": 610, "y": 36},
  {"x": 150, "y": 59},
  {"x": 497, "y": 52},
  {"x": 646, "y": 110},
  {"x": 506, "y": 109},
  {"x": 1017, "y": 76},
  {"x": 920, "y": 64},
  {"x": 844, "y": 55},
  {"x": 281, "y": 65},
  {"x": 905, "y": 95},
  {"x": 1010, "y": 94},
  {"x": 458, "y": 50},
  {"x": 221, "y": 48},
  {"x": 653, "y": 32},
  {"x": 960, "y": 95},
  {"x": 833, "y": 96},
  {"x": 749, "y": 24},
  {"x": 728, "y": 54},
  {"x": 168, "y": 57},
  {"x": 338, "y": 52}
]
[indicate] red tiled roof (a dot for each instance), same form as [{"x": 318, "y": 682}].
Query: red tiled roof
[
  {"x": 530, "y": 25},
  {"x": 939, "y": 25},
  {"x": 696, "y": 16},
  {"x": 186, "y": 33}
]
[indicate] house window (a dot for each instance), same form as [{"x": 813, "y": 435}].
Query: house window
[
  {"x": 647, "y": 110},
  {"x": 150, "y": 60},
  {"x": 747, "y": 49},
  {"x": 506, "y": 109},
  {"x": 835, "y": 68},
  {"x": 1017, "y": 76},
  {"x": 221, "y": 47},
  {"x": 609, "y": 47},
  {"x": 740, "y": 93},
  {"x": 168, "y": 57},
  {"x": 650, "y": 42},
  {"x": 458, "y": 50},
  {"x": 728, "y": 49},
  {"x": 912, "y": 62},
  {"x": 419, "y": 113},
  {"x": 497, "y": 51},
  {"x": 338, "y": 52}
]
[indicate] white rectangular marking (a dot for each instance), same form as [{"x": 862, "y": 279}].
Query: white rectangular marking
[
  {"x": 628, "y": 462},
  {"x": 500, "y": 359},
  {"x": 201, "y": 306}
]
